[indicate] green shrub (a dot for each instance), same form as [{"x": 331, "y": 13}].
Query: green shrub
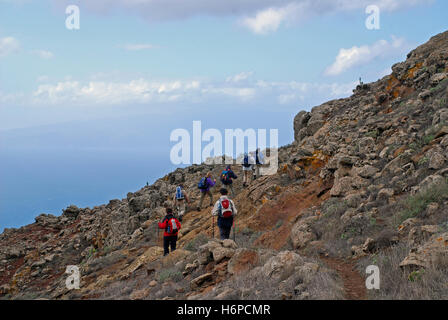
[
  {"x": 170, "y": 274},
  {"x": 416, "y": 204},
  {"x": 427, "y": 139},
  {"x": 416, "y": 275},
  {"x": 373, "y": 134},
  {"x": 423, "y": 160},
  {"x": 198, "y": 241},
  {"x": 334, "y": 207}
]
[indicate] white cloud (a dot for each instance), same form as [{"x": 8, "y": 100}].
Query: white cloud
[
  {"x": 239, "y": 77},
  {"x": 357, "y": 56},
  {"x": 8, "y": 45},
  {"x": 139, "y": 46},
  {"x": 265, "y": 21},
  {"x": 298, "y": 92},
  {"x": 70, "y": 92},
  {"x": 111, "y": 93},
  {"x": 43, "y": 54}
]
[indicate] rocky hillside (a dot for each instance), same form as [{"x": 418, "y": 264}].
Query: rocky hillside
[{"x": 364, "y": 182}]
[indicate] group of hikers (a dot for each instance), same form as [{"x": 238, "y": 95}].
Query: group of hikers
[{"x": 224, "y": 208}]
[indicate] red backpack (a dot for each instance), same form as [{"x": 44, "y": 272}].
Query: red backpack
[
  {"x": 225, "y": 208},
  {"x": 171, "y": 226}
]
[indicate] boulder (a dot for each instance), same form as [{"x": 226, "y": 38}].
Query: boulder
[
  {"x": 148, "y": 256},
  {"x": 341, "y": 186},
  {"x": 441, "y": 116},
  {"x": 301, "y": 233},
  {"x": 385, "y": 194},
  {"x": 228, "y": 243},
  {"x": 434, "y": 252},
  {"x": 428, "y": 183},
  {"x": 300, "y": 122},
  {"x": 201, "y": 280},
  {"x": 243, "y": 259},
  {"x": 13, "y": 253},
  {"x": 46, "y": 220},
  {"x": 405, "y": 227},
  {"x": 367, "y": 247},
  {"x": 436, "y": 161},
  {"x": 438, "y": 77},
  {"x": 175, "y": 257},
  {"x": 420, "y": 234},
  {"x": 282, "y": 265},
  {"x": 397, "y": 163},
  {"x": 221, "y": 253},
  {"x": 71, "y": 212},
  {"x": 205, "y": 252},
  {"x": 366, "y": 171}
]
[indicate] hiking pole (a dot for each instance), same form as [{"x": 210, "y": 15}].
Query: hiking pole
[
  {"x": 157, "y": 227},
  {"x": 234, "y": 226},
  {"x": 213, "y": 226}
]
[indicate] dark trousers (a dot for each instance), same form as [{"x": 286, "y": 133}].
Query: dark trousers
[
  {"x": 225, "y": 232},
  {"x": 169, "y": 242}
]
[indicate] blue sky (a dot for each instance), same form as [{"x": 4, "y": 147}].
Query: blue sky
[
  {"x": 146, "y": 56},
  {"x": 86, "y": 115}
]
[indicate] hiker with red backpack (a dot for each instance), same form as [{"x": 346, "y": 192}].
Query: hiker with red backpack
[
  {"x": 226, "y": 211},
  {"x": 226, "y": 178},
  {"x": 204, "y": 185},
  {"x": 171, "y": 226},
  {"x": 180, "y": 200}
]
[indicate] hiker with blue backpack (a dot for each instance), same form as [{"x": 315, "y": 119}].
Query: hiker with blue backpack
[
  {"x": 172, "y": 227},
  {"x": 226, "y": 211},
  {"x": 248, "y": 168},
  {"x": 226, "y": 178},
  {"x": 259, "y": 161},
  {"x": 180, "y": 200},
  {"x": 204, "y": 185}
]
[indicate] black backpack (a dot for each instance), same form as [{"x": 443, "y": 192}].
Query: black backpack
[{"x": 246, "y": 163}]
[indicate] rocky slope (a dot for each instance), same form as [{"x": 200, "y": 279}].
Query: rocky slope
[{"x": 364, "y": 182}]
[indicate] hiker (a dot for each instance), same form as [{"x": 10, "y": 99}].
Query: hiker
[
  {"x": 225, "y": 210},
  {"x": 226, "y": 179},
  {"x": 171, "y": 226},
  {"x": 259, "y": 161},
  {"x": 180, "y": 200},
  {"x": 248, "y": 167},
  {"x": 204, "y": 185}
]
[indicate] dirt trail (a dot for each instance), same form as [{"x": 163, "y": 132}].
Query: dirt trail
[{"x": 354, "y": 283}]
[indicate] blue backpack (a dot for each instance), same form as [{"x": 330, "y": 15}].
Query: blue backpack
[
  {"x": 225, "y": 177},
  {"x": 203, "y": 184},
  {"x": 179, "y": 193}
]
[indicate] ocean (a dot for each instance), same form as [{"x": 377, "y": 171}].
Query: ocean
[{"x": 45, "y": 169}]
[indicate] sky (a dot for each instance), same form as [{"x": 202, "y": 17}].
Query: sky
[{"x": 137, "y": 69}]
